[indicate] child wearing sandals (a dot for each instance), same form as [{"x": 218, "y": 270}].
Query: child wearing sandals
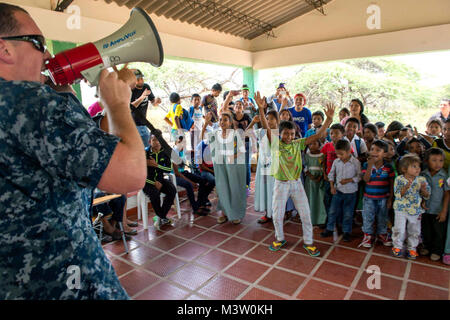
[
  {"x": 409, "y": 189},
  {"x": 264, "y": 181},
  {"x": 286, "y": 169}
]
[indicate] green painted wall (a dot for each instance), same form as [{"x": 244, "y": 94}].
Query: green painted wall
[{"x": 55, "y": 47}]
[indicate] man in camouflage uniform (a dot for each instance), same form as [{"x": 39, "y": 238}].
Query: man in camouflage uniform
[{"x": 52, "y": 156}]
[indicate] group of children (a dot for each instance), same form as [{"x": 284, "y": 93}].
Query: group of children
[{"x": 397, "y": 178}]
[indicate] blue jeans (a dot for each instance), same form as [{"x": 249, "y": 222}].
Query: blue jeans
[
  {"x": 145, "y": 135},
  {"x": 342, "y": 204},
  {"x": 375, "y": 208},
  {"x": 209, "y": 177}
]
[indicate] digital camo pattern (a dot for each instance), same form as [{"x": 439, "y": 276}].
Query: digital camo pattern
[{"x": 52, "y": 156}]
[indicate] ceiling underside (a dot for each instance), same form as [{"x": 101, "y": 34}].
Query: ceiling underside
[{"x": 247, "y": 19}]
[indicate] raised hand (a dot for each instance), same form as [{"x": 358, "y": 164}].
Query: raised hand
[
  {"x": 329, "y": 110},
  {"x": 260, "y": 101}
]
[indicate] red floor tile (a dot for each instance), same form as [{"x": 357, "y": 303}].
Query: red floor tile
[
  {"x": 282, "y": 281},
  {"x": 192, "y": 276},
  {"x": 317, "y": 236},
  {"x": 298, "y": 262},
  {"x": 247, "y": 270},
  {"x": 316, "y": 290},
  {"x": 118, "y": 248},
  {"x": 258, "y": 294},
  {"x": 136, "y": 281},
  {"x": 336, "y": 273},
  {"x": 141, "y": 255},
  {"x": 347, "y": 256},
  {"x": 188, "y": 231},
  {"x": 389, "y": 287},
  {"x": 163, "y": 291},
  {"x": 121, "y": 267},
  {"x": 418, "y": 292},
  {"x": 263, "y": 254},
  {"x": 165, "y": 265},
  {"x": 189, "y": 250},
  {"x": 294, "y": 229},
  {"x": 360, "y": 296},
  {"x": 148, "y": 235},
  {"x": 206, "y": 222},
  {"x": 236, "y": 245},
  {"x": 222, "y": 288},
  {"x": 379, "y": 248},
  {"x": 166, "y": 242},
  {"x": 229, "y": 228},
  {"x": 216, "y": 260},
  {"x": 254, "y": 233},
  {"x": 391, "y": 266},
  {"x": 430, "y": 275},
  {"x": 250, "y": 219},
  {"x": 211, "y": 238}
]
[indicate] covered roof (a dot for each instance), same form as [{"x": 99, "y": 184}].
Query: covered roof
[{"x": 247, "y": 19}]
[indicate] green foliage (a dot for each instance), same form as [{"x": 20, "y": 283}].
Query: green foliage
[{"x": 390, "y": 90}]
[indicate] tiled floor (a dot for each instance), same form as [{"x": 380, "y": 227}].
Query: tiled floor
[{"x": 198, "y": 259}]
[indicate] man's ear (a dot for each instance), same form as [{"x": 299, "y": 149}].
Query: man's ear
[{"x": 6, "y": 54}]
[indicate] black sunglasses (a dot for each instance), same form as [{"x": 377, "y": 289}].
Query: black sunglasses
[{"x": 36, "y": 40}]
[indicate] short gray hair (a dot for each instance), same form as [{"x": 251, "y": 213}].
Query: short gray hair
[{"x": 8, "y": 22}]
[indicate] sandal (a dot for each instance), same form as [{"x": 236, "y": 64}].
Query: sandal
[
  {"x": 276, "y": 245},
  {"x": 222, "y": 219},
  {"x": 237, "y": 221},
  {"x": 312, "y": 250},
  {"x": 132, "y": 224}
]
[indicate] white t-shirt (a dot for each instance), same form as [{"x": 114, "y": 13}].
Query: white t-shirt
[{"x": 362, "y": 146}]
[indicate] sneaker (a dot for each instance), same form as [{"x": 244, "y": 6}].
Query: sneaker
[
  {"x": 312, "y": 250},
  {"x": 347, "y": 237},
  {"x": 165, "y": 221},
  {"x": 326, "y": 234},
  {"x": 411, "y": 254},
  {"x": 424, "y": 251},
  {"x": 157, "y": 222},
  {"x": 385, "y": 240},
  {"x": 276, "y": 245},
  {"x": 264, "y": 219},
  {"x": 367, "y": 241},
  {"x": 397, "y": 252},
  {"x": 446, "y": 259},
  {"x": 435, "y": 257}
]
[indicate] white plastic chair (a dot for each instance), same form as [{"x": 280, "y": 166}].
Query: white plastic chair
[{"x": 142, "y": 203}]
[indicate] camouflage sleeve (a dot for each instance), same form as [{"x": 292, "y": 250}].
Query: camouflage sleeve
[{"x": 56, "y": 130}]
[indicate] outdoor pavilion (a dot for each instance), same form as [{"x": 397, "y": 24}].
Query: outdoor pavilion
[{"x": 197, "y": 259}]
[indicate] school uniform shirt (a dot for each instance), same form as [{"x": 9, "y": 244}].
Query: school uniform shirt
[
  {"x": 379, "y": 185},
  {"x": 438, "y": 185},
  {"x": 203, "y": 155},
  {"x": 440, "y": 143},
  {"x": 302, "y": 118},
  {"x": 410, "y": 202},
  {"x": 346, "y": 170},
  {"x": 357, "y": 141},
  {"x": 287, "y": 158}
]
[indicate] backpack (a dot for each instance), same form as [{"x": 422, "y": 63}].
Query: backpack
[{"x": 185, "y": 120}]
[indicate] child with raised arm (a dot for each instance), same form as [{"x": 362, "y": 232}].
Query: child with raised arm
[
  {"x": 286, "y": 169},
  {"x": 409, "y": 189}
]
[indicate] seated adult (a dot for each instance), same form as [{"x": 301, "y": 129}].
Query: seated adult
[
  {"x": 204, "y": 161},
  {"x": 190, "y": 180},
  {"x": 116, "y": 207},
  {"x": 158, "y": 164}
]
